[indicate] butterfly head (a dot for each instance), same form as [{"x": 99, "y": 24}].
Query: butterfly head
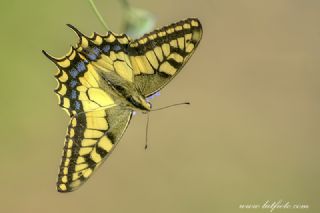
[{"x": 139, "y": 102}]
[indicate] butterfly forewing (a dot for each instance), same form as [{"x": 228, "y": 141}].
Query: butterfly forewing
[{"x": 158, "y": 56}]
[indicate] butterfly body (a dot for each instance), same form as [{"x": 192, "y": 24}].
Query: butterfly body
[
  {"x": 103, "y": 80},
  {"x": 127, "y": 94}
]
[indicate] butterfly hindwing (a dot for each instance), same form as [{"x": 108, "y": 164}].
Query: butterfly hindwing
[
  {"x": 158, "y": 56},
  {"x": 90, "y": 139},
  {"x": 106, "y": 53},
  {"x": 97, "y": 121},
  {"x": 84, "y": 68},
  {"x": 79, "y": 85}
]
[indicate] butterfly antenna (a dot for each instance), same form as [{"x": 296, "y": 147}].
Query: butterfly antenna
[
  {"x": 166, "y": 107},
  {"x": 147, "y": 129}
]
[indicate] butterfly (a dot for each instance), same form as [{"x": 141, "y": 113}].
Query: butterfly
[{"x": 103, "y": 80}]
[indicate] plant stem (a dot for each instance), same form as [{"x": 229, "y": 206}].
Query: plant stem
[{"x": 98, "y": 14}]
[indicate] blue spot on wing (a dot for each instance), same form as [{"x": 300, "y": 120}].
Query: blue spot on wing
[
  {"x": 77, "y": 105},
  {"x": 74, "y": 73},
  {"x": 116, "y": 47},
  {"x": 106, "y": 48},
  {"x": 96, "y": 50},
  {"x": 81, "y": 66},
  {"x": 93, "y": 53},
  {"x": 73, "y": 94},
  {"x": 92, "y": 56},
  {"x": 73, "y": 83}
]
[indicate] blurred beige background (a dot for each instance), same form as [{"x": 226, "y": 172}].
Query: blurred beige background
[{"x": 250, "y": 135}]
